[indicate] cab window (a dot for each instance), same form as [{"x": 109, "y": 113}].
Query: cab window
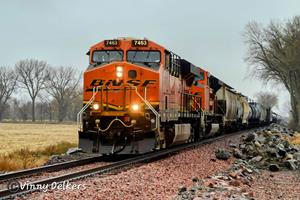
[
  {"x": 201, "y": 76},
  {"x": 104, "y": 57},
  {"x": 149, "y": 59}
]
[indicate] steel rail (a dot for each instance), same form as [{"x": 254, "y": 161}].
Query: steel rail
[{"x": 49, "y": 168}]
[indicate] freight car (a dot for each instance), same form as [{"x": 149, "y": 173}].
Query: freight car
[{"x": 139, "y": 97}]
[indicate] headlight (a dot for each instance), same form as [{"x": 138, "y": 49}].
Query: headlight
[
  {"x": 119, "y": 74},
  {"x": 119, "y": 71},
  {"x": 135, "y": 107},
  {"x": 96, "y": 106}
]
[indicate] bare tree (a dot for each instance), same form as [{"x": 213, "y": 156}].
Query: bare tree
[
  {"x": 7, "y": 85},
  {"x": 62, "y": 85},
  {"x": 76, "y": 104},
  {"x": 267, "y": 99},
  {"x": 274, "y": 53},
  {"x": 32, "y": 76},
  {"x": 21, "y": 109},
  {"x": 48, "y": 106}
]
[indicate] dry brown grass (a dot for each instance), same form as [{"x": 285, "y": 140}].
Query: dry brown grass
[
  {"x": 295, "y": 139},
  {"x": 29, "y": 145},
  {"x": 25, "y": 158}
]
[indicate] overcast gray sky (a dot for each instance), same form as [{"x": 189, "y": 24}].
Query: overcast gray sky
[{"x": 207, "y": 33}]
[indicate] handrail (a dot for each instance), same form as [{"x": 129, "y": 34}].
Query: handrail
[
  {"x": 193, "y": 97},
  {"x": 79, "y": 114},
  {"x": 104, "y": 130},
  {"x": 157, "y": 115}
]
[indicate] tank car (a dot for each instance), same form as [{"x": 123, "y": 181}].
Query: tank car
[
  {"x": 259, "y": 115},
  {"x": 254, "y": 117}
]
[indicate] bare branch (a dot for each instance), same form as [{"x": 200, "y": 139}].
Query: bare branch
[
  {"x": 62, "y": 85},
  {"x": 32, "y": 76},
  {"x": 267, "y": 99},
  {"x": 8, "y": 80}
]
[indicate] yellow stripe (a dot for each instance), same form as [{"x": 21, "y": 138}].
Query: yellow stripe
[
  {"x": 117, "y": 107},
  {"x": 113, "y": 113}
]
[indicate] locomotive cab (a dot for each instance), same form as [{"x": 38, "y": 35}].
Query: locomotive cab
[{"x": 121, "y": 96}]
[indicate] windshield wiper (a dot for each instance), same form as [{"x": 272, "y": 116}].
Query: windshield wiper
[
  {"x": 133, "y": 57},
  {"x": 147, "y": 64},
  {"x": 95, "y": 64},
  {"x": 148, "y": 54},
  {"x": 119, "y": 52}
]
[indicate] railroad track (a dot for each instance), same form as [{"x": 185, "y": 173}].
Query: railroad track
[
  {"x": 49, "y": 168},
  {"x": 14, "y": 188}
]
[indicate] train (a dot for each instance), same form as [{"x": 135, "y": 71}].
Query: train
[{"x": 139, "y": 96}]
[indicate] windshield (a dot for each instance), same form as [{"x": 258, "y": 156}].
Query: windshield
[
  {"x": 146, "y": 58},
  {"x": 107, "y": 56}
]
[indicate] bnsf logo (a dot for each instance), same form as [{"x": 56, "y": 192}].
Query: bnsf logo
[{"x": 101, "y": 82}]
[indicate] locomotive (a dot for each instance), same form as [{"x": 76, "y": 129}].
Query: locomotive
[{"x": 139, "y": 97}]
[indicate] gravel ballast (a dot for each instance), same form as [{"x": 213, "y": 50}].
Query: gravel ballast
[
  {"x": 276, "y": 185},
  {"x": 267, "y": 167},
  {"x": 157, "y": 180}
]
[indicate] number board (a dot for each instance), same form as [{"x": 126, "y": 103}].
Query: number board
[
  {"x": 139, "y": 43},
  {"x": 111, "y": 43}
]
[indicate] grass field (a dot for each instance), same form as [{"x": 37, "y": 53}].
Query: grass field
[
  {"x": 14, "y": 136},
  {"x": 30, "y": 145}
]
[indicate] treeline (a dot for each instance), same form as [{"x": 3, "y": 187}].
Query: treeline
[{"x": 35, "y": 90}]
